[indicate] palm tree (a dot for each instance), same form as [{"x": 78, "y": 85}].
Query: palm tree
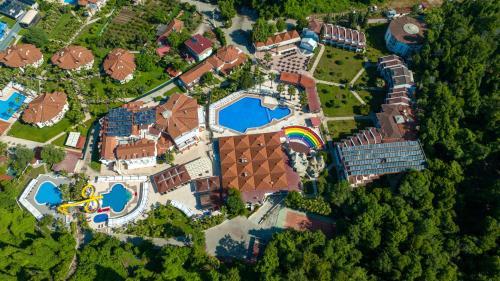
[
  {"x": 259, "y": 77},
  {"x": 280, "y": 88},
  {"x": 267, "y": 58},
  {"x": 291, "y": 91},
  {"x": 272, "y": 77}
]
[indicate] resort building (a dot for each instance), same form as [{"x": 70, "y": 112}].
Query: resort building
[
  {"x": 170, "y": 179},
  {"x": 256, "y": 165},
  {"x": 21, "y": 55},
  {"x": 13, "y": 8},
  {"x": 120, "y": 65},
  {"x": 342, "y": 37},
  {"x": 392, "y": 146},
  {"x": 209, "y": 193},
  {"x": 223, "y": 62},
  {"x": 125, "y": 135},
  {"x": 73, "y": 58},
  {"x": 175, "y": 25},
  {"x": 134, "y": 135},
  {"x": 46, "y": 110},
  {"x": 309, "y": 40},
  {"x": 199, "y": 47},
  {"x": 30, "y": 18},
  {"x": 308, "y": 84},
  {"x": 92, "y": 6},
  {"x": 179, "y": 118},
  {"x": 405, "y": 35},
  {"x": 278, "y": 40},
  {"x": 315, "y": 26}
]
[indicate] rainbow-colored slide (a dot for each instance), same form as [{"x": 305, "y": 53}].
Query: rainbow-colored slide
[{"x": 304, "y": 135}]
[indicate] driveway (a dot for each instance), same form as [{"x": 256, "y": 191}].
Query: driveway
[{"x": 239, "y": 34}]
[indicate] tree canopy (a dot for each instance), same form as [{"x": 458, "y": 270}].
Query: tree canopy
[{"x": 52, "y": 154}]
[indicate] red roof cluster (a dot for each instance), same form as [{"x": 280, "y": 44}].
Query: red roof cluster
[
  {"x": 278, "y": 38},
  {"x": 198, "y": 44},
  {"x": 309, "y": 86}
]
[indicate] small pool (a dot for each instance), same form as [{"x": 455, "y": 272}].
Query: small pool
[
  {"x": 11, "y": 105},
  {"x": 72, "y": 2},
  {"x": 48, "y": 193},
  {"x": 247, "y": 113},
  {"x": 101, "y": 218},
  {"x": 117, "y": 198}
]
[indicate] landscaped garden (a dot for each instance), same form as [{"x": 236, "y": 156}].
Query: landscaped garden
[
  {"x": 33, "y": 133},
  {"x": 337, "y": 65},
  {"x": 337, "y": 102},
  {"x": 375, "y": 40}
]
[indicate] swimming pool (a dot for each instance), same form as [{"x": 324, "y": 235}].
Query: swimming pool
[
  {"x": 72, "y": 2},
  {"x": 100, "y": 218},
  {"x": 48, "y": 193},
  {"x": 11, "y": 105},
  {"x": 247, "y": 113},
  {"x": 117, "y": 198}
]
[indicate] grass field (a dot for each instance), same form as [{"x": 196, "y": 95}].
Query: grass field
[
  {"x": 28, "y": 132},
  {"x": 338, "y": 65},
  {"x": 60, "y": 140},
  {"x": 337, "y": 102},
  {"x": 342, "y": 129},
  {"x": 10, "y": 22}
]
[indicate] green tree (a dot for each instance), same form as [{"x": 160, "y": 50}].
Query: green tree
[
  {"x": 36, "y": 36},
  {"x": 22, "y": 156},
  {"x": 292, "y": 91},
  {"x": 280, "y": 24},
  {"x": 169, "y": 157},
  {"x": 260, "y": 30},
  {"x": 145, "y": 61},
  {"x": 52, "y": 154},
  {"x": 234, "y": 203},
  {"x": 227, "y": 9}
]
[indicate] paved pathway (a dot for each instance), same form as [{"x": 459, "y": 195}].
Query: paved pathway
[
  {"x": 318, "y": 58},
  {"x": 12, "y": 141},
  {"x": 329, "y": 83},
  {"x": 87, "y": 22},
  {"x": 160, "y": 242},
  {"x": 360, "y": 72},
  {"x": 158, "y": 91},
  {"x": 358, "y": 97}
]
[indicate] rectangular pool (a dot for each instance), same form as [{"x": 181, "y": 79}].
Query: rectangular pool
[{"x": 11, "y": 105}]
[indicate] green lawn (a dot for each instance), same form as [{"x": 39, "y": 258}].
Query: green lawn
[
  {"x": 174, "y": 90},
  {"x": 25, "y": 131},
  {"x": 342, "y": 129},
  {"x": 337, "y": 102},
  {"x": 338, "y": 65},
  {"x": 60, "y": 140}
]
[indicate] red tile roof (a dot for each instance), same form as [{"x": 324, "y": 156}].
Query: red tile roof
[
  {"x": 175, "y": 25},
  {"x": 278, "y": 38},
  {"x": 171, "y": 178},
  {"x": 119, "y": 64},
  {"x": 45, "y": 107},
  {"x": 254, "y": 164},
  {"x": 198, "y": 44},
  {"x": 178, "y": 115},
  {"x": 72, "y": 57},
  {"x": 20, "y": 55},
  {"x": 309, "y": 86},
  {"x": 399, "y": 31},
  {"x": 138, "y": 149}
]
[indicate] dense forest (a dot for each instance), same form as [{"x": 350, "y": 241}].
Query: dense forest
[
  {"x": 298, "y": 9},
  {"x": 438, "y": 224}
]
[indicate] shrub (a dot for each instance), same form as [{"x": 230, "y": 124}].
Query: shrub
[
  {"x": 339, "y": 62},
  {"x": 319, "y": 206}
]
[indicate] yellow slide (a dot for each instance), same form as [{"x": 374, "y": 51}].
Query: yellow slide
[{"x": 87, "y": 193}]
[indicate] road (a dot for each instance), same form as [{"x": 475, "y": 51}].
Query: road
[{"x": 10, "y": 36}]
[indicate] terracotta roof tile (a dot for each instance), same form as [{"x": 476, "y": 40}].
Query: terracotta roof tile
[
  {"x": 45, "y": 107},
  {"x": 20, "y": 55},
  {"x": 198, "y": 44},
  {"x": 72, "y": 57},
  {"x": 119, "y": 64},
  {"x": 138, "y": 149},
  {"x": 178, "y": 115}
]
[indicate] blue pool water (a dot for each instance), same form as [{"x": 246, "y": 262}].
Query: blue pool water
[
  {"x": 100, "y": 218},
  {"x": 117, "y": 198},
  {"x": 48, "y": 193},
  {"x": 10, "y": 106},
  {"x": 72, "y": 2},
  {"x": 249, "y": 113}
]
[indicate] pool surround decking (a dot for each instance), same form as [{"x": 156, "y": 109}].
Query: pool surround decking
[{"x": 261, "y": 98}]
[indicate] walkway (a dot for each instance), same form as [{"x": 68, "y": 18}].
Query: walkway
[
  {"x": 329, "y": 83},
  {"x": 360, "y": 72},
  {"x": 318, "y": 58},
  {"x": 358, "y": 97},
  {"x": 160, "y": 242},
  {"x": 344, "y": 118}
]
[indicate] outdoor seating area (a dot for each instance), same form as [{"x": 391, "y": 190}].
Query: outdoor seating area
[{"x": 290, "y": 61}]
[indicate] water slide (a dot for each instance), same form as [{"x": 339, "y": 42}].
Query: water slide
[{"x": 90, "y": 201}]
